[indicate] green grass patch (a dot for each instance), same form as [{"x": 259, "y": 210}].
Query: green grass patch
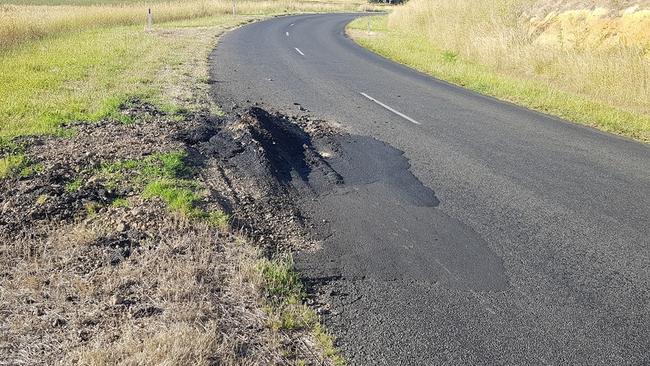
[
  {"x": 75, "y": 185},
  {"x": 165, "y": 176},
  {"x": 88, "y": 75},
  {"x": 217, "y": 219},
  {"x": 416, "y": 51},
  {"x": 279, "y": 281},
  {"x": 284, "y": 292},
  {"x": 183, "y": 197},
  {"x": 7, "y": 146},
  {"x": 120, "y": 203},
  {"x": 76, "y": 77},
  {"x": 178, "y": 195},
  {"x": 31, "y": 169},
  {"x": 285, "y": 296},
  {"x": 12, "y": 164},
  {"x": 92, "y": 208},
  {"x": 141, "y": 172},
  {"x": 326, "y": 343},
  {"x": 41, "y": 200}
]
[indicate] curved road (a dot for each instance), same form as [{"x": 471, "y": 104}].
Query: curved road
[{"x": 478, "y": 232}]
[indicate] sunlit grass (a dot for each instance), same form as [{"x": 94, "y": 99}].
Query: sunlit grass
[
  {"x": 10, "y": 164},
  {"x": 80, "y": 63},
  {"x": 86, "y": 76},
  {"x": 36, "y": 19}
]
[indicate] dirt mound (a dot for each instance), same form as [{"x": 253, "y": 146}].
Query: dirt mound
[{"x": 266, "y": 158}]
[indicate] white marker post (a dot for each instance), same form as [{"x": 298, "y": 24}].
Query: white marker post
[
  {"x": 234, "y": 8},
  {"x": 149, "y": 25}
]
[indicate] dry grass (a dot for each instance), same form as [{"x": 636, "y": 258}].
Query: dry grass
[
  {"x": 19, "y": 24},
  {"x": 569, "y": 50},
  {"x": 178, "y": 299}
]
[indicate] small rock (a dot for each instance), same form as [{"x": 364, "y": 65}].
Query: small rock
[
  {"x": 116, "y": 299},
  {"x": 59, "y": 322},
  {"x": 84, "y": 335}
]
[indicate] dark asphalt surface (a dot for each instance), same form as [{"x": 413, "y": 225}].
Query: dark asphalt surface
[{"x": 486, "y": 234}]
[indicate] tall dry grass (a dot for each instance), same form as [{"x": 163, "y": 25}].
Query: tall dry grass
[
  {"x": 21, "y": 23},
  {"x": 500, "y": 35}
]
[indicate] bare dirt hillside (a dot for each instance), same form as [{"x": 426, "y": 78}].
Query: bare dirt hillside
[{"x": 590, "y": 24}]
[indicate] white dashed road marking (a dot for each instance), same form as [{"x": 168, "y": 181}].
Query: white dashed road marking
[
  {"x": 299, "y": 51},
  {"x": 391, "y": 109}
]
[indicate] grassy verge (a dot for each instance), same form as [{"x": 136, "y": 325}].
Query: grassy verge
[
  {"x": 87, "y": 76},
  {"x": 81, "y": 62},
  {"x": 285, "y": 297},
  {"x": 418, "y": 51}
]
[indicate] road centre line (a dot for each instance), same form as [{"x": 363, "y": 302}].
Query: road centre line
[
  {"x": 391, "y": 109},
  {"x": 287, "y": 33},
  {"x": 291, "y": 25},
  {"x": 299, "y": 51}
]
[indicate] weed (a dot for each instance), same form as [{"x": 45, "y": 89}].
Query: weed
[
  {"x": 139, "y": 173},
  {"x": 92, "y": 208},
  {"x": 284, "y": 292},
  {"x": 217, "y": 219},
  {"x": 294, "y": 315},
  {"x": 449, "y": 56},
  {"x": 279, "y": 281},
  {"x": 8, "y": 147},
  {"x": 167, "y": 177},
  {"x": 29, "y": 170},
  {"x": 326, "y": 343},
  {"x": 41, "y": 200},
  {"x": 75, "y": 185},
  {"x": 285, "y": 295},
  {"x": 177, "y": 194},
  {"x": 120, "y": 202},
  {"x": 17, "y": 163},
  {"x": 11, "y": 164}
]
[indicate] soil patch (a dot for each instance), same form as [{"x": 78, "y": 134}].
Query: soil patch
[{"x": 113, "y": 245}]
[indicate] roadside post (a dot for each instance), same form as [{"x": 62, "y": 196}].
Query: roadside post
[
  {"x": 234, "y": 7},
  {"x": 149, "y": 25}
]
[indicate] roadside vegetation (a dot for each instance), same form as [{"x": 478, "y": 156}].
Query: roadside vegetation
[
  {"x": 285, "y": 298},
  {"x": 588, "y": 62},
  {"x": 22, "y": 20},
  {"x": 81, "y": 62},
  {"x": 115, "y": 244}
]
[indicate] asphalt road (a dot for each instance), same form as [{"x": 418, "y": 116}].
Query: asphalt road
[{"x": 468, "y": 231}]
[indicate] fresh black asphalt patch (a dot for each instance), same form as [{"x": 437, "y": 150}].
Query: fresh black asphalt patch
[{"x": 381, "y": 222}]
